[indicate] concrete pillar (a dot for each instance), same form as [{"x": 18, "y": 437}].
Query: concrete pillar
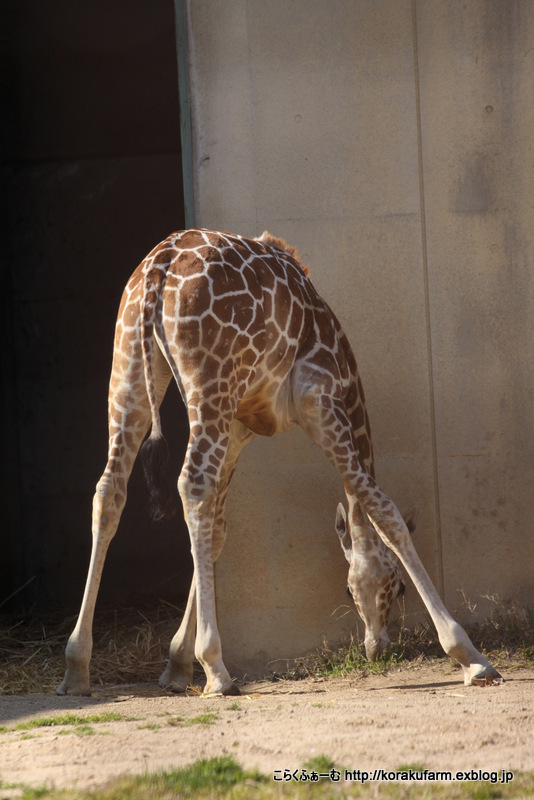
[{"x": 476, "y": 86}]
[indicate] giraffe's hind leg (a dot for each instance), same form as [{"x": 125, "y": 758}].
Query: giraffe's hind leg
[
  {"x": 108, "y": 503},
  {"x": 178, "y": 673},
  {"x": 129, "y": 420},
  {"x": 201, "y": 484}
]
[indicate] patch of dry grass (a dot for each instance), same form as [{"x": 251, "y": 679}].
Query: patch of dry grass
[
  {"x": 509, "y": 626},
  {"x": 130, "y": 646}
]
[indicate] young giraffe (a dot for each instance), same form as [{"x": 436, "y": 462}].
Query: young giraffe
[{"x": 254, "y": 350}]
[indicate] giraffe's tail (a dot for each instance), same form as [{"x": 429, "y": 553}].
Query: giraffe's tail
[
  {"x": 155, "y": 459},
  {"x": 155, "y": 450}
]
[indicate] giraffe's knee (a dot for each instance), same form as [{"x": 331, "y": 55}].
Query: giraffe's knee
[
  {"x": 196, "y": 486},
  {"x": 198, "y": 493},
  {"x": 108, "y": 502}
]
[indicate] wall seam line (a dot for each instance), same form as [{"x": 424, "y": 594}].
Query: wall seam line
[
  {"x": 424, "y": 248},
  {"x": 184, "y": 92}
]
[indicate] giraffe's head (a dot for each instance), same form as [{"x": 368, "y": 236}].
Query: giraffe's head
[{"x": 374, "y": 580}]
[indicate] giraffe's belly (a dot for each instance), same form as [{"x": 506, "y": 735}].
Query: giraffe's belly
[{"x": 257, "y": 416}]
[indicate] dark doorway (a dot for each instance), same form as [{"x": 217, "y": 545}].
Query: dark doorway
[{"x": 91, "y": 181}]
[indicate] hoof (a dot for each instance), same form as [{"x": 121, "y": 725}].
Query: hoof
[
  {"x": 76, "y": 679},
  {"x": 175, "y": 687},
  {"x": 488, "y": 677},
  {"x": 231, "y": 690},
  {"x": 80, "y": 691},
  {"x": 228, "y": 690},
  {"x": 176, "y": 678}
]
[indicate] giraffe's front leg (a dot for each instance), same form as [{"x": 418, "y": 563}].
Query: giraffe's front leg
[
  {"x": 477, "y": 670},
  {"x": 325, "y": 420},
  {"x": 391, "y": 527},
  {"x": 178, "y": 674}
]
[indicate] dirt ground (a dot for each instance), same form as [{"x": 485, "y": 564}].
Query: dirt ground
[{"x": 419, "y": 715}]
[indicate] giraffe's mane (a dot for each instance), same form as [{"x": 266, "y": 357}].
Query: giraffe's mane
[{"x": 268, "y": 239}]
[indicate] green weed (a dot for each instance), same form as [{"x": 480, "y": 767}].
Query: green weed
[
  {"x": 320, "y": 764},
  {"x": 213, "y": 778},
  {"x": 66, "y": 719},
  {"x": 83, "y": 730},
  {"x": 351, "y": 658}
]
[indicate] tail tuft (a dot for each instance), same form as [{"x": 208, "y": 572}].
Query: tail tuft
[{"x": 155, "y": 457}]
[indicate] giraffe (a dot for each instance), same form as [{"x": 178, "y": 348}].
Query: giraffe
[{"x": 254, "y": 350}]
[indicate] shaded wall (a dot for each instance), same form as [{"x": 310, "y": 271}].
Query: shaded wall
[
  {"x": 391, "y": 143},
  {"x": 91, "y": 181}
]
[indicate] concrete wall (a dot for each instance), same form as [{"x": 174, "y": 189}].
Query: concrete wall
[{"x": 391, "y": 142}]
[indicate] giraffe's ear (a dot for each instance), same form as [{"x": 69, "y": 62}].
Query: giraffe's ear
[
  {"x": 411, "y": 519},
  {"x": 343, "y": 532}
]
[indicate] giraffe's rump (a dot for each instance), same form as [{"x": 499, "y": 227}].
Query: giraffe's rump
[{"x": 232, "y": 315}]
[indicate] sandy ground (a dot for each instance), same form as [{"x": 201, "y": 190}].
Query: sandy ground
[{"x": 421, "y": 715}]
